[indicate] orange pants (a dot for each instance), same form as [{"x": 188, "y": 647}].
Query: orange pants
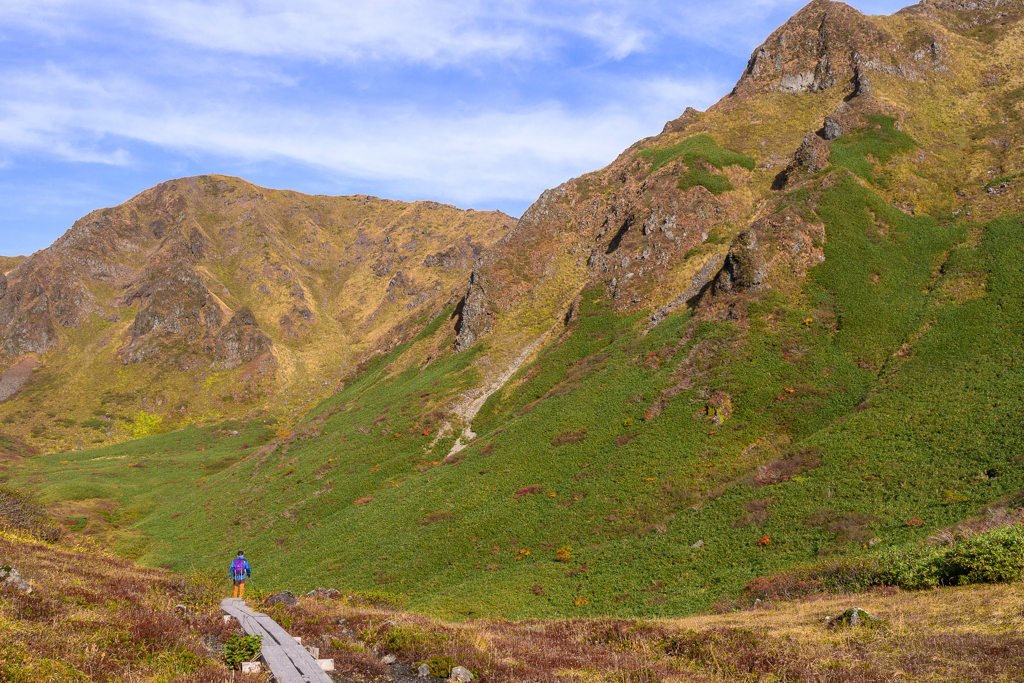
[{"x": 239, "y": 587}]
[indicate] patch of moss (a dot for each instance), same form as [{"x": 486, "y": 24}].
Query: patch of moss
[
  {"x": 880, "y": 140},
  {"x": 714, "y": 183},
  {"x": 700, "y": 147}
]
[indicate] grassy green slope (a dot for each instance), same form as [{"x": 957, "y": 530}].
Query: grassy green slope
[{"x": 882, "y": 393}]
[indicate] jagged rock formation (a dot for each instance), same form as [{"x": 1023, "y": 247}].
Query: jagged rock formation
[
  {"x": 828, "y": 44},
  {"x": 656, "y": 239}
]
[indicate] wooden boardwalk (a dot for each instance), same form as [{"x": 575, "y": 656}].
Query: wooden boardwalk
[{"x": 288, "y": 661}]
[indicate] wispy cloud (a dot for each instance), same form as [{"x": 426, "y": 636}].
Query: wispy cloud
[
  {"x": 476, "y": 155},
  {"x": 429, "y": 31},
  {"x": 473, "y": 102}
]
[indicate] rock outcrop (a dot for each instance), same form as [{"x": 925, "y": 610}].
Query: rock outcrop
[
  {"x": 10, "y": 578},
  {"x": 212, "y": 275},
  {"x": 828, "y": 44}
]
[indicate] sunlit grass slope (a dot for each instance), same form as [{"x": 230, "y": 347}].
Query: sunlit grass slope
[{"x": 883, "y": 402}]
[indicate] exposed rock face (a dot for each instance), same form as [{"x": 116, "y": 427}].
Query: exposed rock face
[
  {"x": 286, "y": 598},
  {"x": 449, "y": 258},
  {"x": 28, "y": 316},
  {"x": 627, "y": 237},
  {"x": 829, "y": 44},
  {"x": 832, "y": 129},
  {"x": 239, "y": 342},
  {"x": 177, "y": 308},
  {"x": 213, "y": 274},
  {"x": 812, "y": 155},
  {"x": 474, "y": 317},
  {"x": 744, "y": 268},
  {"x": 775, "y": 253}
]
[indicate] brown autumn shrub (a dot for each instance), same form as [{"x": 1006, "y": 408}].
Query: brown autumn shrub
[
  {"x": 778, "y": 471},
  {"x": 846, "y": 527},
  {"x": 527, "y": 491},
  {"x": 569, "y": 437},
  {"x": 18, "y": 512}
]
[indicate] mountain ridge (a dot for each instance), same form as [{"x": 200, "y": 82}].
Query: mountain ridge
[
  {"x": 212, "y": 274},
  {"x": 785, "y": 331}
]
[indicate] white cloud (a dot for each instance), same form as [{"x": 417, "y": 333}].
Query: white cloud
[
  {"x": 428, "y": 31},
  {"x": 467, "y": 157}
]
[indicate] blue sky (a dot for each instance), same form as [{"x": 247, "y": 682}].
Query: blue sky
[{"x": 473, "y": 103}]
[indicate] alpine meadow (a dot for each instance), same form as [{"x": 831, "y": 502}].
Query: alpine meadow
[{"x": 766, "y": 366}]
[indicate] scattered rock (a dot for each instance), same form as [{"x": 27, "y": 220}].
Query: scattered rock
[
  {"x": 423, "y": 671},
  {"x": 719, "y": 407},
  {"x": 388, "y": 659},
  {"x": 698, "y": 544},
  {"x": 211, "y": 644},
  {"x": 812, "y": 155},
  {"x": 831, "y": 129},
  {"x": 443, "y": 259},
  {"x": 10, "y": 578},
  {"x": 854, "y": 616},
  {"x": 286, "y": 598},
  {"x": 861, "y": 84},
  {"x": 329, "y": 593},
  {"x": 461, "y": 674},
  {"x": 184, "y": 611}
]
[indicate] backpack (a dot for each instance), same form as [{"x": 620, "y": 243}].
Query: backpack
[{"x": 238, "y": 568}]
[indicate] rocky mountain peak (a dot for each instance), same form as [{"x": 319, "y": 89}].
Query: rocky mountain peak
[
  {"x": 213, "y": 279},
  {"x": 828, "y": 44}
]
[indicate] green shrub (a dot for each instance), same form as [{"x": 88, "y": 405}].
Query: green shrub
[
  {"x": 881, "y": 141},
  {"x": 441, "y": 666},
  {"x": 993, "y": 557},
  {"x": 996, "y": 556},
  {"x": 145, "y": 424},
  {"x": 701, "y": 147},
  {"x": 240, "y": 649}
]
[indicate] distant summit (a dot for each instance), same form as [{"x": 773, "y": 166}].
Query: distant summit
[{"x": 215, "y": 282}]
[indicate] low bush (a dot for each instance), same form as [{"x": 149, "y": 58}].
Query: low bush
[
  {"x": 18, "y": 512},
  {"x": 242, "y": 649},
  {"x": 995, "y": 556},
  {"x": 712, "y": 182}
]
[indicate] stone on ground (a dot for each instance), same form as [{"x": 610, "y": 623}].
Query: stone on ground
[
  {"x": 461, "y": 674},
  {"x": 10, "y": 578},
  {"x": 286, "y": 598}
]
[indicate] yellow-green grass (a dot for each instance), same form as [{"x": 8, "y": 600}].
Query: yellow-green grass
[
  {"x": 873, "y": 396},
  {"x": 95, "y": 617}
]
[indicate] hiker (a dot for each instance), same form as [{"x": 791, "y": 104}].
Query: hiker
[{"x": 240, "y": 571}]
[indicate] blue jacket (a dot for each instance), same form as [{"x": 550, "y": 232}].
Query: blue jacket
[{"x": 231, "y": 569}]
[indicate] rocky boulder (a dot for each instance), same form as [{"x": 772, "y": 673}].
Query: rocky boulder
[
  {"x": 832, "y": 129},
  {"x": 854, "y": 616},
  {"x": 286, "y": 598},
  {"x": 238, "y": 342},
  {"x": 10, "y": 578},
  {"x": 461, "y": 674}
]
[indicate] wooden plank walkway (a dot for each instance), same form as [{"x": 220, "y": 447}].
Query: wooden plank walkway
[{"x": 288, "y": 661}]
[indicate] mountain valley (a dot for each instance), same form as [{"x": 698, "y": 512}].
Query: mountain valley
[{"x": 782, "y": 338}]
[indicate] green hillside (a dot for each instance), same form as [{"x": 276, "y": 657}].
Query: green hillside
[
  {"x": 842, "y": 423},
  {"x": 784, "y": 331}
]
